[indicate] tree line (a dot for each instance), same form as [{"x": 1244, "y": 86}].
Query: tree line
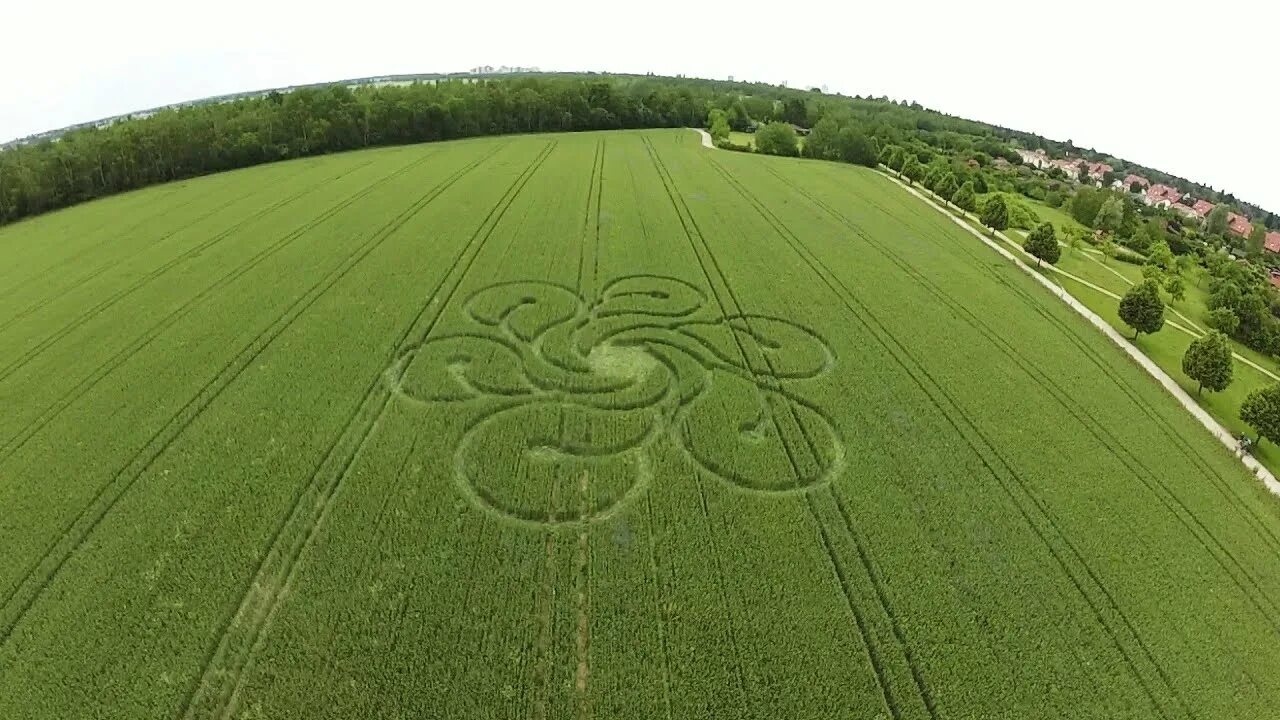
[
  {"x": 209, "y": 137},
  {"x": 188, "y": 141},
  {"x": 216, "y": 135}
]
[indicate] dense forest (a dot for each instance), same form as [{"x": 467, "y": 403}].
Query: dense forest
[{"x": 206, "y": 137}]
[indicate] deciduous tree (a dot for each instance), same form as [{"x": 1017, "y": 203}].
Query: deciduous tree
[
  {"x": 965, "y": 198},
  {"x": 1161, "y": 255},
  {"x": 1223, "y": 319},
  {"x": 718, "y": 126},
  {"x": 886, "y": 154},
  {"x": 931, "y": 176},
  {"x": 947, "y": 187},
  {"x": 995, "y": 214},
  {"x": 1208, "y": 362},
  {"x": 821, "y": 142},
  {"x": 1042, "y": 243},
  {"x": 1109, "y": 249},
  {"x": 1110, "y": 215},
  {"x": 1261, "y": 409},
  {"x": 898, "y": 160},
  {"x": 1256, "y": 240},
  {"x": 912, "y": 170},
  {"x": 1142, "y": 309},
  {"x": 854, "y": 147},
  {"x": 795, "y": 111},
  {"x": 1085, "y": 204},
  {"x": 777, "y": 138},
  {"x": 1075, "y": 240},
  {"x": 1216, "y": 222}
]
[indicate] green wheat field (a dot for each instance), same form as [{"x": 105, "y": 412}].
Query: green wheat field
[{"x": 602, "y": 425}]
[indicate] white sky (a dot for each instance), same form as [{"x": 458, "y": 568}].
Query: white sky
[{"x": 1187, "y": 87}]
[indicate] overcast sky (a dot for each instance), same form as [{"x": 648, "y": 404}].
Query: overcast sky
[{"x": 1190, "y": 88}]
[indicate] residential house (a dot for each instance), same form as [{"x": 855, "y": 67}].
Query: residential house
[
  {"x": 1203, "y": 208},
  {"x": 1129, "y": 181},
  {"x": 1272, "y": 242},
  {"x": 1069, "y": 166},
  {"x": 1097, "y": 171},
  {"x": 1239, "y": 224},
  {"x": 1274, "y": 277},
  {"x": 1183, "y": 210},
  {"x": 1036, "y": 159},
  {"x": 1162, "y": 196}
]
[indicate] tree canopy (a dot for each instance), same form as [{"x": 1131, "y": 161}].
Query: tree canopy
[
  {"x": 218, "y": 135},
  {"x": 65, "y": 167},
  {"x": 855, "y": 147},
  {"x": 995, "y": 214},
  {"x": 1216, "y": 222},
  {"x": 823, "y": 140},
  {"x": 1042, "y": 243},
  {"x": 912, "y": 170},
  {"x": 965, "y": 199},
  {"x": 1110, "y": 215},
  {"x": 718, "y": 125},
  {"x": 1142, "y": 308},
  {"x": 1223, "y": 319},
  {"x": 1208, "y": 362},
  {"x": 1261, "y": 409},
  {"x": 946, "y": 187},
  {"x": 777, "y": 138}
]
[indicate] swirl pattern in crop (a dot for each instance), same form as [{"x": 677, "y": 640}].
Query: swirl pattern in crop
[{"x": 571, "y": 387}]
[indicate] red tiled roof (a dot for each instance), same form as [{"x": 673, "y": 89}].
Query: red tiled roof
[
  {"x": 1158, "y": 193},
  {"x": 1272, "y": 243},
  {"x": 1239, "y": 224},
  {"x": 1129, "y": 180},
  {"x": 1202, "y": 207}
]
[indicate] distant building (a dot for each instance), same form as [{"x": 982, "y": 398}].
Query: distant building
[
  {"x": 1069, "y": 166},
  {"x": 1239, "y": 224},
  {"x": 1129, "y": 181},
  {"x": 1183, "y": 210},
  {"x": 503, "y": 70},
  {"x": 1272, "y": 243},
  {"x": 1097, "y": 171},
  {"x": 1036, "y": 159},
  {"x": 1162, "y": 196},
  {"x": 1203, "y": 208}
]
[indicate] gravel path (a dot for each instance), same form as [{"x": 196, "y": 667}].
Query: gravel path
[
  {"x": 1210, "y": 423},
  {"x": 1194, "y": 330},
  {"x": 1220, "y": 432}
]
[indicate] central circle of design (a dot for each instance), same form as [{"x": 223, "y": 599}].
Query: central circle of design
[{"x": 571, "y": 395}]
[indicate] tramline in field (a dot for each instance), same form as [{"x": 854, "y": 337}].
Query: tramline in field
[{"x": 604, "y": 425}]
